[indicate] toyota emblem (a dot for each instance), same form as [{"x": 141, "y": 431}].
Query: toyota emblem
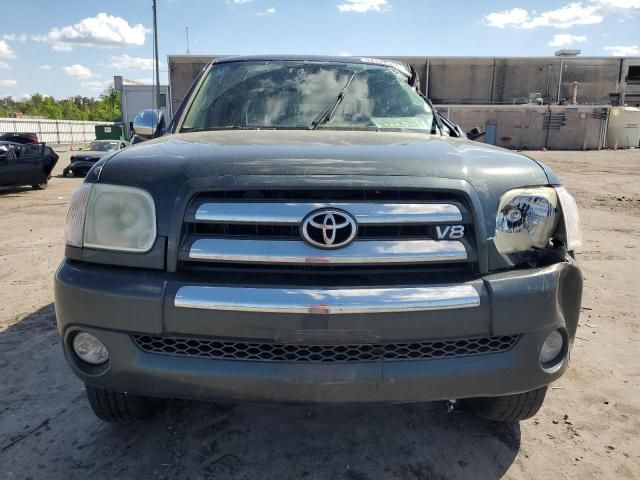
[{"x": 329, "y": 228}]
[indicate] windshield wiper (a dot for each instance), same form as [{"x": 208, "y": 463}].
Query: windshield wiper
[{"x": 328, "y": 112}]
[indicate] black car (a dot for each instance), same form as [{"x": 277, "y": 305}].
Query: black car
[
  {"x": 19, "y": 137},
  {"x": 82, "y": 161},
  {"x": 26, "y": 164}
]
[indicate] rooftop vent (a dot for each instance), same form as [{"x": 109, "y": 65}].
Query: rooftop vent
[{"x": 568, "y": 53}]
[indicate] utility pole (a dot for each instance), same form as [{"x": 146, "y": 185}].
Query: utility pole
[
  {"x": 155, "y": 48},
  {"x": 186, "y": 29}
]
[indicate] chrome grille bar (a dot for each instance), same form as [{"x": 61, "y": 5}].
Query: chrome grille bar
[
  {"x": 299, "y": 252},
  {"x": 278, "y": 213},
  {"x": 327, "y": 301}
]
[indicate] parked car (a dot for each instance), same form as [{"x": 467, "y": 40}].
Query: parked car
[
  {"x": 309, "y": 229},
  {"x": 22, "y": 137},
  {"x": 81, "y": 162},
  {"x": 26, "y": 164}
]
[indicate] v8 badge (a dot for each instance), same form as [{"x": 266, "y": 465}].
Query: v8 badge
[{"x": 449, "y": 232}]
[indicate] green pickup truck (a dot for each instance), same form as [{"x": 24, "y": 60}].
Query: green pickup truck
[{"x": 310, "y": 229}]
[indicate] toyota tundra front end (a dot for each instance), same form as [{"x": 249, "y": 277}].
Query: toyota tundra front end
[{"x": 311, "y": 230}]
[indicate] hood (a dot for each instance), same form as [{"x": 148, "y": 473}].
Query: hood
[
  {"x": 171, "y": 168},
  {"x": 269, "y": 152}
]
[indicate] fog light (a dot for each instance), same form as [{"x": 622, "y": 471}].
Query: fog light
[
  {"x": 551, "y": 348},
  {"x": 90, "y": 349}
]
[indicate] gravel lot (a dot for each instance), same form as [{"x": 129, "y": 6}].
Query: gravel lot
[{"x": 588, "y": 427}]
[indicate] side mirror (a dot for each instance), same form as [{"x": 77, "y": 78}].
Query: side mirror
[
  {"x": 475, "y": 133},
  {"x": 148, "y": 123}
]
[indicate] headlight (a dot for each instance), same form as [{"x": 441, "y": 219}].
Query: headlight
[
  {"x": 526, "y": 219},
  {"x": 74, "y": 231},
  {"x": 111, "y": 217},
  {"x": 572, "y": 226}
]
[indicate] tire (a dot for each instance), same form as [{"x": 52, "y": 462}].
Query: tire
[
  {"x": 123, "y": 408},
  {"x": 40, "y": 186},
  {"x": 510, "y": 408}
]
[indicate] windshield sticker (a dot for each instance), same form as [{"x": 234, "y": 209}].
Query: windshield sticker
[{"x": 400, "y": 122}]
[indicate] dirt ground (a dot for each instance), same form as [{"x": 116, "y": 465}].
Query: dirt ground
[{"x": 588, "y": 428}]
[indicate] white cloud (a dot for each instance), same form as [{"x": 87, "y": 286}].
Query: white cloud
[
  {"x": 44, "y": 67},
  {"x": 565, "y": 17},
  {"x": 8, "y": 83},
  {"x": 4, "y": 65},
  {"x": 345, "y": 54},
  {"x": 238, "y": 1},
  {"x": 125, "y": 62},
  {"x": 15, "y": 37},
  {"x": 620, "y": 4},
  {"x": 564, "y": 39},
  {"x": 623, "y": 50},
  {"x": 507, "y": 18},
  {"x": 575, "y": 13},
  {"x": 268, "y": 11},
  {"x": 62, "y": 47},
  {"x": 6, "y": 51},
  {"x": 362, "y": 6},
  {"x": 100, "y": 31},
  {"x": 78, "y": 71},
  {"x": 95, "y": 85}
]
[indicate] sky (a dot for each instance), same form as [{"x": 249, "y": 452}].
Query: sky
[{"x": 75, "y": 47}]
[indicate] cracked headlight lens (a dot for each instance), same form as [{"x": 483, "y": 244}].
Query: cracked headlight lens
[{"x": 526, "y": 219}]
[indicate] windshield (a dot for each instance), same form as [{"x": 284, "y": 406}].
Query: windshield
[
  {"x": 295, "y": 95},
  {"x": 103, "y": 146}
]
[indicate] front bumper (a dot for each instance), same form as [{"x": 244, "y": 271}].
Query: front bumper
[
  {"x": 114, "y": 303},
  {"x": 79, "y": 166}
]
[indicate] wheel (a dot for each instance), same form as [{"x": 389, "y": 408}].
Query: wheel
[
  {"x": 40, "y": 186},
  {"x": 117, "y": 407},
  {"x": 509, "y": 408}
]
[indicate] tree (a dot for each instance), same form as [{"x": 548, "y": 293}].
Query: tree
[{"x": 105, "y": 109}]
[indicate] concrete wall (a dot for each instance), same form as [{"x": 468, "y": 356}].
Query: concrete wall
[
  {"x": 523, "y": 126},
  {"x": 484, "y": 80},
  {"x": 631, "y": 88}
]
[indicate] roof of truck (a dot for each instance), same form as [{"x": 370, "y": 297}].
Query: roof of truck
[{"x": 397, "y": 64}]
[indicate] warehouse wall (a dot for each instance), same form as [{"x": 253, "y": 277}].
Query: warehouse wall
[
  {"x": 505, "y": 81},
  {"x": 523, "y": 127}
]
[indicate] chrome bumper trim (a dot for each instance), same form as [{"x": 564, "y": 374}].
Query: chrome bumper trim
[
  {"x": 274, "y": 213},
  {"x": 299, "y": 252},
  {"x": 327, "y": 301}
]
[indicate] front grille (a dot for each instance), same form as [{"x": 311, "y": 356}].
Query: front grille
[
  {"x": 398, "y": 230},
  {"x": 272, "y": 352}
]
